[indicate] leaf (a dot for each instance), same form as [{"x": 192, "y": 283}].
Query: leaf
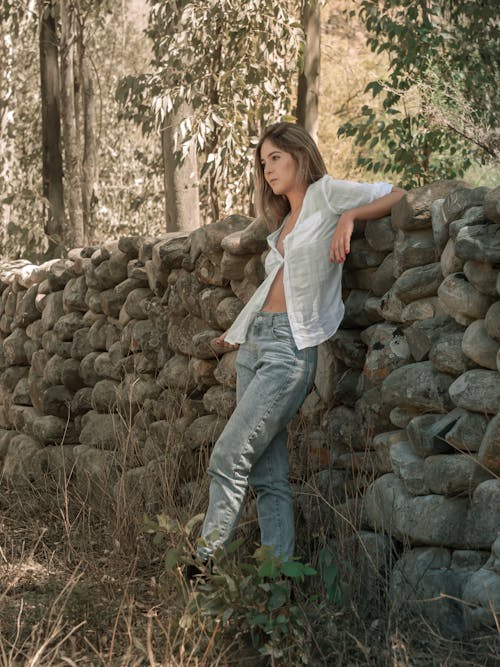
[
  {"x": 292, "y": 569},
  {"x": 171, "y": 559},
  {"x": 194, "y": 521}
]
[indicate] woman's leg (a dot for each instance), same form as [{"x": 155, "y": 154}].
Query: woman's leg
[
  {"x": 269, "y": 480},
  {"x": 282, "y": 377}
]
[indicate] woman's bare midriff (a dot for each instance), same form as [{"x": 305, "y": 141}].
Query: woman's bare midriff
[{"x": 275, "y": 301}]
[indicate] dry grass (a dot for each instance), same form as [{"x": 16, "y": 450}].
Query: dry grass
[{"x": 81, "y": 584}]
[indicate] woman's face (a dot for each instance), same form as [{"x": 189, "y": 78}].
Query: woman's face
[{"x": 280, "y": 169}]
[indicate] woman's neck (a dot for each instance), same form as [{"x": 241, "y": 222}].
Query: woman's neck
[{"x": 296, "y": 198}]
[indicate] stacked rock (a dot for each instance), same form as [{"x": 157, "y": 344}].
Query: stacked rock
[
  {"x": 109, "y": 377},
  {"x": 441, "y": 488}
]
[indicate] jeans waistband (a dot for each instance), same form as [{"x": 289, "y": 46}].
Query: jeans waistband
[{"x": 269, "y": 317}]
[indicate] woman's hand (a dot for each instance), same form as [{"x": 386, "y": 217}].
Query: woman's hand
[
  {"x": 221, "y": 343},
  {"x": 341, "y": 240}
]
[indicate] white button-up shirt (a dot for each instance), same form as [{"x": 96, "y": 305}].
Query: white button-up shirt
[{"x": 312, "y": 283}]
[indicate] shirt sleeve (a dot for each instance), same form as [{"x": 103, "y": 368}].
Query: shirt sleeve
[{"x": 343, "y": 195}]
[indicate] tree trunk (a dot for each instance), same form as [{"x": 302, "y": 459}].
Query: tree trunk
[
  {"x": 182, "y": 203},
  {"x": 308, "y": 88},
  {"x": 52, "y": 168},
  {"x": 71, "y": 144},
  {"x": 90, "y": 170}
]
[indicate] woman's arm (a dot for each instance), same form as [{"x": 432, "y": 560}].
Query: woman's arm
[{"x": 341, "y": 240}]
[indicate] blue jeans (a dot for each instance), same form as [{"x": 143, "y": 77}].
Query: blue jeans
[{"x": 273, "y": 379}]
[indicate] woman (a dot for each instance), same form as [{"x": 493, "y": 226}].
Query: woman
[{"x": 296, "y": 308}]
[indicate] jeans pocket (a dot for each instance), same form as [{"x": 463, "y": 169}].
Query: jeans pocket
[{"x": 282, "y": 332}]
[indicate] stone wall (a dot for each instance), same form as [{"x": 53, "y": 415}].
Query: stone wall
[{"x": 108, "y": 375}]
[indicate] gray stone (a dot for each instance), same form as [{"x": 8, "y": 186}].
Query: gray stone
[
  {"x": 81, "y": 401},
  {"x": 409, "y": 468},
  {"x": 348, "y": 347},
  {"x": 452, "y": 474},
  {"x": 52, "y": 310},
  {"x": 446, "y": 355},
  {"x": 87, "y": 369},
  {"x": 21, "y": 395},
  {"x": 418, "y": 283},
  {"x": 134, "y": 302},
  {"x": 422, "y": 309},
  {"x": 482, "y": 275},
  {"x": 169, "y": 253},
  {"x": 220, "y": 401},
  {"x": 467, "y": 432},
  {"x": 175, "y": 374},
  {"x": 391, "y": 307},
  {"x": 26, "y": 311},
  {"x": 56, "y": 401},
  {"x": 492, "y": 204},
  {"x": 489, "y": 451},
  {"x": 74, "y": 295},
  {"x": 252, "y": 239},
  {"x": 467, "y": 559},
  {"x": 209, "y": 299},
  {"x": 81, "y": 345},
  {"x": 472, "y": 216},
  {"x": 413, "y": 211},
  {"x": 478, "y": 346},
  {"x": 13, "y": 348},
  {"x": 387, "y": 350},
  {"x": 66, "y": 326},
  {"x": 439, "y": 226},
  {"x": 356, "y": 313},
  {"x": 105, "y": 396},
  {"x": 202, "y": 346},
  {"x": 380, "y": 234},
  {"x": 96, "y": 474},
  {"x": 372, "y": 412},
  {"x": 361, "y": 279},
  {"x": 208, "y": 239},
  {"x": 422, "y": 583},
  {"x": 97, "y": 334},
  {"x": 208, "y": 272},
  {"x": 244, "y": 289},
  {"x": 483, "y": 518},
  {"x": 417, "y": 386},
  {"x": 400, "y": 417},
  {"x": 457, "y": 202},
  {"x": 70, "y": 375},
  {"x": 492, "y": 321},
  {"x": 382, "y": 444},
  {"x": 52, "y": 344},
  {"x": 225, "y": 373},
  {"x": 458, "y": 296},
  {"x": 431, "y": 519},
  {"x": 426, "y": 433},
  {"x": 53, "y": 430},
  {"x": 414, "y": 248},
  {"x": 383, "y": 278},
  {"x": 204, "y": 431},
  {"x": 202, "y": 372},
  {"x": 479, "y": 242},
  {"x": 481, "y": 596},
  {"x": 363, "y": 256},
  {"x": 20, "y": 466},
  {"x": 106, "y": 368},
  {"x": 342, "y": 426},
  {"x": 421, "y": 336},
  {"x": 181, "y": 332},
  {"x": 477, "y": 390},
  {"x": 227, "y": 311},
  {"x": 449, "y": 261},
  {"x": 328, "y": 370},
  {"x": 103, "y": 431}
]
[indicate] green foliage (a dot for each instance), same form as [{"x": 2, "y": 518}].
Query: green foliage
[
  {"x": 223, "y": 70},
  {"x": 246, "y": 601},
  {"x": 438, "y": 107}
]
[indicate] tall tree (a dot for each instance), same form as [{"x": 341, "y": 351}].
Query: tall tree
[
  {"x": 438, "y": 108},
  {"x": 308, "y": 88},
  {"x": 242, "y": 60},
  {"x": 70, "y": 116},
  {"x": 52, "y": 166}
]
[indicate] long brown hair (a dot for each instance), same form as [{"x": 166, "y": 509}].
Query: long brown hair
[{"x": 292, "y": 139}]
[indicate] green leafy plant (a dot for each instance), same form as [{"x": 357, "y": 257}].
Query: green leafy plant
[{"x": 249, "y": 602}]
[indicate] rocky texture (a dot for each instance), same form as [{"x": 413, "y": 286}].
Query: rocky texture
[{"x": 107, "y": 371}]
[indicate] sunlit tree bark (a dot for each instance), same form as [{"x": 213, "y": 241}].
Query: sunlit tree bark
[
  {"x": 51, "y": 129},
  {"x": 308, "y": 88}
]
